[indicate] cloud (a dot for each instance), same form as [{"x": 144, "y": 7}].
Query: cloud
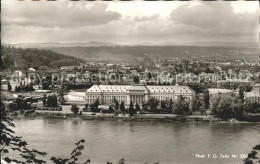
[
  {"x": 146, "y": 18},
  {"x": 63, "y": 14},
  {"x": 82, "y": 21},
  {"x": 216, "y": 18}
]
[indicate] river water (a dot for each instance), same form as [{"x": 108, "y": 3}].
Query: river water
[{"x": 141, "y": 142}]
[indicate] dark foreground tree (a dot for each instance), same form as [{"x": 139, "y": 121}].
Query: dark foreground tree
[
  {"x": 74, "y": 155},
  {"x": 10, "y": 142}
]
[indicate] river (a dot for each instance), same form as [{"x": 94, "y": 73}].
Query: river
[{"x": 141, "y": 142}]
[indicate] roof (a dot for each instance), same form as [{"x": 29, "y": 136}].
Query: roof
[
  {"x": 114, "y": 88},
  {"x": 170, "y": 88},
  {"x": 94, "y": 88},
  {"x": 151, "y": 88},
  {"x": 137, "y": 87}
]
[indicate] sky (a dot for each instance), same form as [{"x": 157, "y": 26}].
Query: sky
[{"x": 134, "y": 22}]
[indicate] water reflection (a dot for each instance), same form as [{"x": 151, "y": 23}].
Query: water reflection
[{"x": 140, "y": 142}]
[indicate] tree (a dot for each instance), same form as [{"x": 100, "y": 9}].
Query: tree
[
  {"x": 153, "y": 103},
  {"x": 241, "y": 94},
  {"x": 122, "y": 107},
  {"x": 17, "y": 89},
  {"x": 237, "y": 106},
  {"x": 163, "y": 105},
  {"x": 74, "y": 109},
  {"x": 111, "y": 108},
  {"x": 21, "y": 104},
  {"x": 137, "y": 107},
  {"x": 92, "y": 108},
  {"x": 44, "y": 100},
  {"x": 136, "y": 79},
  {"x": 49, "y": 101},
  {"x": 224, "y": 106},
  {"x": 131, "y": 108},
  {"x": 9, "y": 87},
  {"x": 214, "y": 104},
  {"x": 54, "y": 101},
  {"x": 197, "y": 87},
  {"x": 11, "y": 143},
  {"x": 171, "y": 103},
  {"x": 251, "y": 107},
  {"x": 96, "y": 104},
  {"x": 149, "y": 75},
  {"x": 181, "y": 106},
  {"x": 206, "y": 98},
  {"x": 144, "y": 106},
  {"x": 116, "y": 103},
  {"x": 196, "y": 103},
  {"x": 61, "y": 98}
]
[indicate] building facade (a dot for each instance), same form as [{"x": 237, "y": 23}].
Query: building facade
[
  {"x": 135, "y": 93},
  {"x": 77, "y": 96}
]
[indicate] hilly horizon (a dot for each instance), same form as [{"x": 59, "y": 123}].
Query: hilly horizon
[
  {"x": 101, "y": 51},
  {"x": 100, "y": 44}
]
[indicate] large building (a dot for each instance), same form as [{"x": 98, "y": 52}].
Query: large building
[{"x": 136, "y": 93}]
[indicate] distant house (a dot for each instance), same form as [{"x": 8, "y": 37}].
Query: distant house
[
  {"x": 78, "y": 95},
  {"x": 4, "y": 85},
  {"x": 254, "y": 95},
  {"x": 69, "y": 67},
  {"x": 43, "y": 68}
]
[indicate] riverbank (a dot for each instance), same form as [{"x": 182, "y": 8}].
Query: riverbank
[{"x": 138, "y": 117}]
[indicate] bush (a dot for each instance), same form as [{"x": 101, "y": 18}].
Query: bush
[{"x": 74, "y": 109}]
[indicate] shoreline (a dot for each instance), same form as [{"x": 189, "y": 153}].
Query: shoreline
[{"x": 135, "y": 118}]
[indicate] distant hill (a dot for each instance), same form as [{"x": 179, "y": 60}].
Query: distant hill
[
  {"x": 49, "y": 44},
  {"x": 125, "y": 53},
  {"x": 25, "y": 58},
  {"x": 115, "y": 52}
]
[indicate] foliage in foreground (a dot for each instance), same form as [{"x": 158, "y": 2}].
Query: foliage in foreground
[
  {"x": 10, "y": 142},
  {"x": 253, "y": 156}
]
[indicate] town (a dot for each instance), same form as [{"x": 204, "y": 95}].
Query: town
[
  {"x": 132, "y": 82},
  {"x": 170, "y": 86}
]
